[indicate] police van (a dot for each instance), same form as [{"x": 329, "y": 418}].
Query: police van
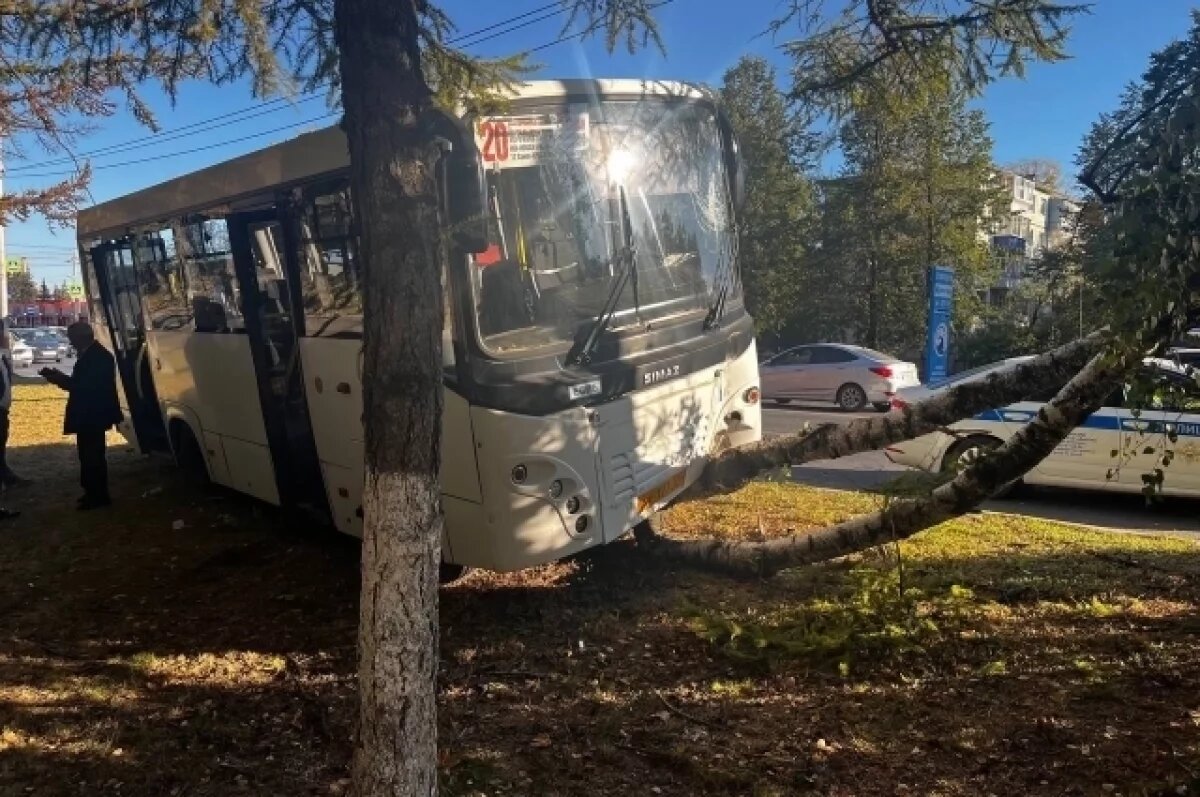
[{"x": 1111, "y": 450}]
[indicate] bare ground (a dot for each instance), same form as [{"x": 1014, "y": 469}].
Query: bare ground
[{"x": 1006, "y": 656}]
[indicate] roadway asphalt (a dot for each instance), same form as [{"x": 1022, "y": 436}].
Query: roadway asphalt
[
  {"x": 1125, "y": 513},
  {"x": 29, "y": 375}
]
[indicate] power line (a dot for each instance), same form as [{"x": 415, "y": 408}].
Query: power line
[
  {"x": 173, "y": 136},
  {"x": 274, "y": 106},
  {"x": 479, "y": 40},
  {"x": 116, "y": 149},
  {"x": 314, "y": 120}
]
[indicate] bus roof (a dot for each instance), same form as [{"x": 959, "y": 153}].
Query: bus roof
[{"x": 304, "y": 157}]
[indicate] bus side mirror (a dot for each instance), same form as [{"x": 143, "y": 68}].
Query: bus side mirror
[
  {"x": 461, "y": 180},
  {"x": 735, "y": 165},
  {"x": 466, "y": 199}
]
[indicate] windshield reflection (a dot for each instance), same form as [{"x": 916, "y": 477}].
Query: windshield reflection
[{"x": 555, "y": 176}]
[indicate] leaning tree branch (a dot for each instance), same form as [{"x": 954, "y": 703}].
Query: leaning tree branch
[
  {"x": 733, "y": 468},
  {"x": 903, "y": 517}
]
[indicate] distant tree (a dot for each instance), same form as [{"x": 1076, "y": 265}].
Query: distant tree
[
  {"x": 917, "y": 180},
  {"x": 44, "y": 294},
  {"x": 21, "y": 288},
  {"x": 1046, "y": 174},
  {"x": 775, "y": 224}
]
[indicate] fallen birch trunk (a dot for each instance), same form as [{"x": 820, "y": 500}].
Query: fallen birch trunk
[
  {"x": 903, "y": 517},
  {"x": 732, "y": 469}
]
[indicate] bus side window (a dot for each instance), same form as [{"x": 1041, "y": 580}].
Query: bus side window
[
  {"x": 329, "y": 271},
  {"x": 203, "y": 246},
  {"x": 161, "y": 280}
]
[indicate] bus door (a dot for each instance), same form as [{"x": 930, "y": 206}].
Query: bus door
[
  {"x": 274, "y": 316},
  {"x": 116, "y": 280}
]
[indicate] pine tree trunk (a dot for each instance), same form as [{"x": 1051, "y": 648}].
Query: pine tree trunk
[{"x": 394, "y": 190}]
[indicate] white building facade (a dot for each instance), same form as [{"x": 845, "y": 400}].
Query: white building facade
[{"x": 1037, "y": 220}]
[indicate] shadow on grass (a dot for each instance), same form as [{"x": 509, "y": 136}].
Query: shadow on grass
[{"x": 218, "y": 659}]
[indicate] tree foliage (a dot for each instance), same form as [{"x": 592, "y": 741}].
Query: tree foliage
[
  {"x": 1046, "y": 174},
  {"x": 775, "y": 225},
  {"x": 1057, "y": 298},
  {"x": 913, "y": 41},
  {"x": 1141, "y": 161},
  {"x": 916, "y": 181},
  {"x": 21, "y": 288}
]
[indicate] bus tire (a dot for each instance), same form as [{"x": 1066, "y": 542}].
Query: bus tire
[
  {"x": 189, "y": 457},
  {"x": 449, "y": 572},
  {"x": 964, "y": 452}
]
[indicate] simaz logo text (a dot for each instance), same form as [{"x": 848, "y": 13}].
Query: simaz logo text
[{"x": 660, "y": 374}]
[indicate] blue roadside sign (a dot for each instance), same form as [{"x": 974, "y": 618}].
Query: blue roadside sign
[{"x": 941, "y": 298}]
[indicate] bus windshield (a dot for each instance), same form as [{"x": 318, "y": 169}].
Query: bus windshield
[{"x": 581, "y": 192}]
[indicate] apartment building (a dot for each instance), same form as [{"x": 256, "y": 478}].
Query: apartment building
[{"x": 1037, "y": 220}]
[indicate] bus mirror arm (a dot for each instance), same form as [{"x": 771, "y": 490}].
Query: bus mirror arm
[
  {"x": 461, "y": 179},
  {"x": 735, "y": 163}
]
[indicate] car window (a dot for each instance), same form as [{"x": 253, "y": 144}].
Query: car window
[
  {"x": 800, "y": 356},
  {"x": 828, "y": 355},
  {"x": 875, "y": 355},
  {"x": 1162, "y": 390}
]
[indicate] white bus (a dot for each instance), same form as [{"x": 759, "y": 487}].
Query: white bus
[{"x": 597, "y": 350}]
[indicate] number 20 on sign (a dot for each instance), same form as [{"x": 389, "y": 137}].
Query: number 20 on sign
[{"x": 495, "y": 141}]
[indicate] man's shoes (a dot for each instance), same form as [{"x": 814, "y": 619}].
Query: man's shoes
[{"x": 91, "y": 502}]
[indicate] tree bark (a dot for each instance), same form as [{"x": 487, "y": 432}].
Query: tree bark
[
  {"x": 395, "y": 196},
  {"x": 733, "y": 468},
  {"x": 902, "y": 518}
]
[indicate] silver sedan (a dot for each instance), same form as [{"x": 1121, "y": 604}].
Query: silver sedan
[{"x": 850, "y": 376}]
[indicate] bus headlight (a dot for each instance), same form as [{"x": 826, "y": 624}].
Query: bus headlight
[
  {"x": 581, "y": 524},
  {"x": 572, "y": 505},
  {"x": 752, "y": 395},
  {"x": 556, "y": 489}
]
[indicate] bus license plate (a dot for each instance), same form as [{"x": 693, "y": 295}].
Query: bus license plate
[{"x": 648, "y": 499}]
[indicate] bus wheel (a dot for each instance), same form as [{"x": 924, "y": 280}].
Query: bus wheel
[
  {"x": 188, "y": 455},
  {"x": 448, "y": 573}
]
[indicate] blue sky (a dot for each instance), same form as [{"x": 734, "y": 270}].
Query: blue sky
[{"x": 1044, "y": 115}]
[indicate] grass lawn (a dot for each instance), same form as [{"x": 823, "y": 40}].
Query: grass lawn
[{"x": 187, "y": 643}]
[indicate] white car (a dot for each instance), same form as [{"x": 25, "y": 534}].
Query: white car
[
  {"x": 21, "y": 353},
  {"x": 1085, "y": 459},
  {"x": 850, "y": 376}
]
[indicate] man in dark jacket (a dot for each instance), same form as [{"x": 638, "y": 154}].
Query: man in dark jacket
[{"x": 92, "y": 409}]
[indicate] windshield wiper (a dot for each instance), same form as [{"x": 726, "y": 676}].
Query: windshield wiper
[
  {"x": 713, "y": 319},
  {"x": 718, "y": 307},
  {"x": 626, "y": 263}
]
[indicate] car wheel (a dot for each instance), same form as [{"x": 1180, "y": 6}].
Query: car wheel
[
  {"x": 964, "y": 453},
  {"x": 881, "y": 406},
  {"x": 851, "y": 397}
]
